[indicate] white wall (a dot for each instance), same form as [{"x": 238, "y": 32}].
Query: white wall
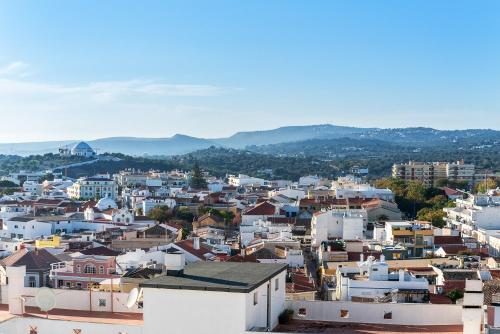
[
  {"x": 79, "y": 299},
  {"x": 402, "y": 314},
  {"x": 195, "y": 311},
  {"x": 191, "y": 311},
  {"x": 20, "y": 325}
]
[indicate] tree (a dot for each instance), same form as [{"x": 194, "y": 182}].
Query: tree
[
  {"x": 483, "y": 186},
  {"x": 8, "y": 184},
  {"x": 438, "y": 201},
  {"x": 455, "y": 295},
  {"x": 185, "y": 233},
  {"x": 435, "y": 216},
  {"x": 452, "y": 184},
  {"x": 47, "y": 177},
  {"x": 183, "y": 213},
  {"x": 160, "y": 213},
  {"x": 197, "y": 180},
  {"x": 416, "y": 191}
]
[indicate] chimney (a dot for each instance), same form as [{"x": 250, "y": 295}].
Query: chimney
[
  {"x": 174, "y": 263},
  {"x": 401, "y": 275},
  {"x": 196, "y": 243}
]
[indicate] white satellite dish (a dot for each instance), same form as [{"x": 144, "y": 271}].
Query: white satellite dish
[
  {"x": 133, "y": 297},
  {"x": 45, "y": 299}
]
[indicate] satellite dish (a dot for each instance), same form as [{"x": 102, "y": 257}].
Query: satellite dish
[
  {"x": 133, "y": 297},
  {"x": 45, "y": 299}
]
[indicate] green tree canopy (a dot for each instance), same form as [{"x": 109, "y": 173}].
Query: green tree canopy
[
  {"x": 483, "y": 186},
  {"x": 197, "y": 180}
]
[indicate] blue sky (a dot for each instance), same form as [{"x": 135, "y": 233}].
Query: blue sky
[{"x": 90, "y": 69}]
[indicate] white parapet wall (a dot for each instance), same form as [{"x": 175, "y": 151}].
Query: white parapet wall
[
  {"x": 377, "y": 313},
  {"x": 19, "y": 325},
  {"x": 80, "y": 300}
]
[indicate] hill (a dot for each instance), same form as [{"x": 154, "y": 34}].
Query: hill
[{"x": 289, "y": 135}]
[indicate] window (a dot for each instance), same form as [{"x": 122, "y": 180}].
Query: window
[
  {"x": 78, "y": 268},
  {"x": 276, "y": 284},
  {"x": 32, "y": 282},
  {"x": 344, "y": 314},
  {"x": 89, "y": 269},
  {"x": 302, "y": 312},
  {"x": 102, "y": 302},
  {"x": 255, "y": 298},
  {"x": 387, "y": 315},
  {"x": 101, "y": 269}
]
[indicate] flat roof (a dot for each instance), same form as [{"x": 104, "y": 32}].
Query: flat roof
[
  {"x": 304, "y": 326},
  {"x": 99, "y": 317},
  {"x": 218, "y": 276}
]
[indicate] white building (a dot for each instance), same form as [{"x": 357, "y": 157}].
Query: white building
[
  {"x": 309, "y": 180},
  {"x": 93, "y": 187},
  {"x": 296, "y": 194},
  {"x": 8, "y": 211},
  {"x": 475, "y": 212},
  {"x": 337, "y": 224},
  {"x": 351, "y": 187},
  {"x": 27, "y": 228},
  {"x": 33, "y": 187},
  {"x": 245, "y": 180},
  {"x": 372, "y": 279},
  {"x": 223, "y": 297},
  {"x": 151, "y": 203},
  {"x": 263, "y": 229}
]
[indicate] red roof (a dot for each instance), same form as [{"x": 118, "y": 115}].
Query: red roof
[
  {"x": 262, "y": 209},
  {"x": 187, "y": 245},
  {"x": 454, "y": 249},
  {"x": 448, "y": 240},
  {"x": 240, "y": 258},
  {"x": 47, "y": 201},
  {"x": 439, "y": 299},
  {"x": 452, "y": 192},
  {"x": 495, "y": 273},
  {"x": 452, "y": 285},
  {"x": 335, "y": 201}
]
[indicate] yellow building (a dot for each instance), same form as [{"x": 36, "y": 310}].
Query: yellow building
[{"x": 50, "y": 242}]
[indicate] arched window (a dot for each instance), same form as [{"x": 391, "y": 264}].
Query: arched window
[
  {"x": 90, "y": 269},
  {"x": 101, "y": 269}
]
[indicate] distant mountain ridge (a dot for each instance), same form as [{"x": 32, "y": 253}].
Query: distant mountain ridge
[{"x": 182, "y": 144}]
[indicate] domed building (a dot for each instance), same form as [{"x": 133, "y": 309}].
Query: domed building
[
  {"x": 106, "y": 203},
  {"x": 82, "y": 149}
]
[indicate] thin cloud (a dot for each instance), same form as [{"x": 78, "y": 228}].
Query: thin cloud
[
  {"x": 17, "y": 67},
  {"x": 111, "y": 89}
]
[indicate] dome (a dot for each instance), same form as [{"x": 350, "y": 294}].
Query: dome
[
  {"x": 82, "y": 146},
  {"x": 106, "y": 203}
]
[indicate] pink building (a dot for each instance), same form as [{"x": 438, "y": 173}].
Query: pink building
[{"x": 83, "y": 271}]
